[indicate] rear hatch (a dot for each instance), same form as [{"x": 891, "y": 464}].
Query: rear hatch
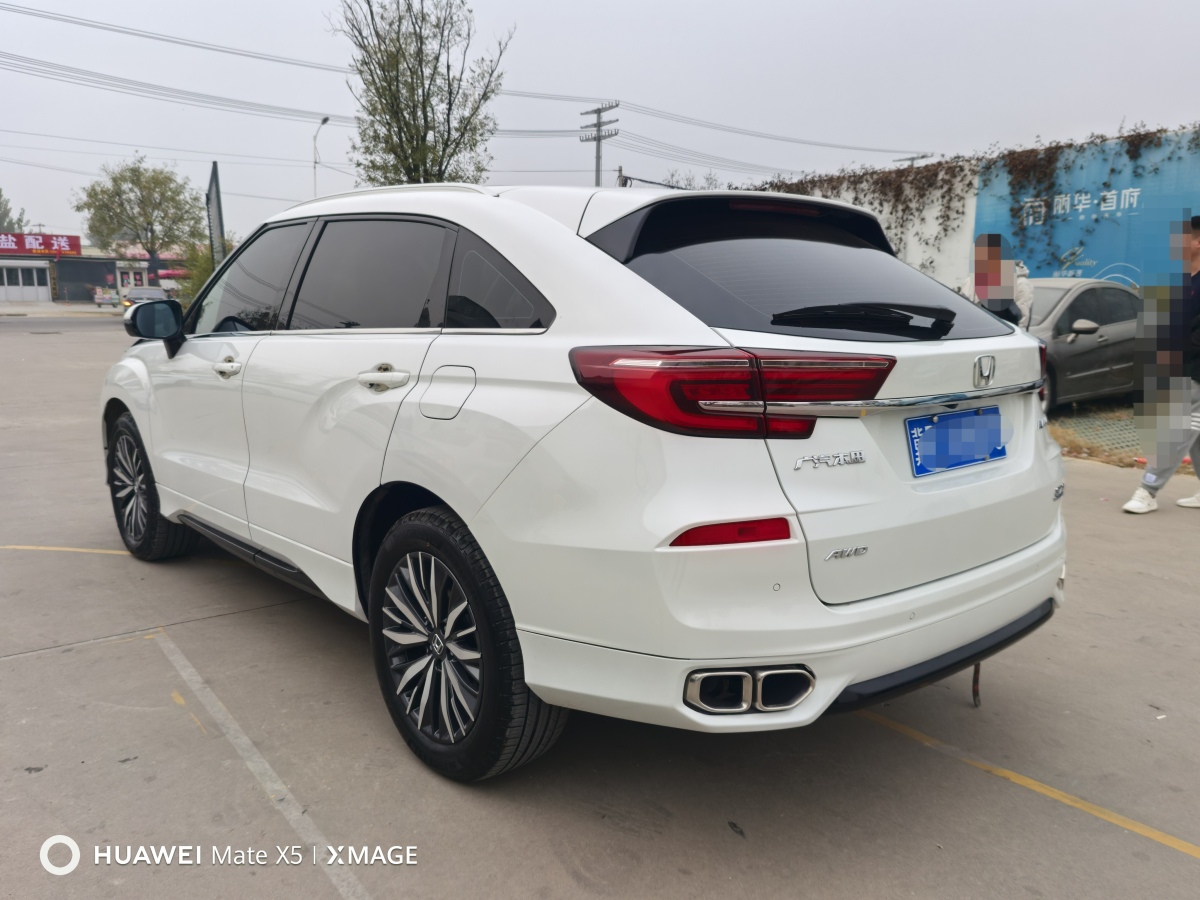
[{"x": 888, "y": 497}]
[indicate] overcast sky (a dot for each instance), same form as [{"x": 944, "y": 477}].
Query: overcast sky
[{"x": 930, "y": 75}]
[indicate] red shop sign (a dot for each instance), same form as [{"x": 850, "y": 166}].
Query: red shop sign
[{"x": 39, "y": 244}]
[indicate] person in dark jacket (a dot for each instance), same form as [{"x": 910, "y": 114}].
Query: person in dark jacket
[{"x": 1175, "y": 365}]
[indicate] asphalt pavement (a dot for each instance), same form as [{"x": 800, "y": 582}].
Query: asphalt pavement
[{"x": 199, "y": 702}]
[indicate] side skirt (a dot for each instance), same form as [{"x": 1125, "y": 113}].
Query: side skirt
[{"x": 256, "y": 556}]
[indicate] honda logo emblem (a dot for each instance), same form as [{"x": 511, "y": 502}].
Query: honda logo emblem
[{"x": 985, "y": 371}]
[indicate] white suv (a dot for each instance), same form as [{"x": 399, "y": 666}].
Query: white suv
[{"x": 713, "y": 460}]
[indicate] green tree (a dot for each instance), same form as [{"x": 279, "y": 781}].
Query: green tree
[
  {"x": 423, "y": 101},
  {"x": 8, "y": 222},
  {"x": 199, "y": 264},
  {"x": 149, "y": 206}
]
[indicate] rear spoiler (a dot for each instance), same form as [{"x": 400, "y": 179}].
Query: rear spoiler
[{"x": 619, "y": 239}]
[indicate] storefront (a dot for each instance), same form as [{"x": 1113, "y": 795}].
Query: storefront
[{"x": 27, "y": 264}]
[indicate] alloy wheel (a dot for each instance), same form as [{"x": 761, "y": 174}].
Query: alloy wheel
[
  {"x": 129, "y": 488},
  {"x": 432, "y": 648}
]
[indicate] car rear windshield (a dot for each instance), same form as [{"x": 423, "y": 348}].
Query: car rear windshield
[{"x": 789, "y": 268}]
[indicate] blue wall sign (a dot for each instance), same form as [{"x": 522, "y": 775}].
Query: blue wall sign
[{"x": 1108, "y": 216}]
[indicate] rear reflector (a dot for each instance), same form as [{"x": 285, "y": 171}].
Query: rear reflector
[
  {"x": 735, "y": 533},
  {"x": 726, "y": 392}
]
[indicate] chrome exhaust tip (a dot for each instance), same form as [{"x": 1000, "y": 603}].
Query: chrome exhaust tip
[
  {"x": 777, "y": 690},
  {"x": 720, "y": 692}
]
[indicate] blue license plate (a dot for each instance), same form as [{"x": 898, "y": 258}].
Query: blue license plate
[{"x": 954, "y": 440}]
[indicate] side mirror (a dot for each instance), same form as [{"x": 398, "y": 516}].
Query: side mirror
[
  {"x": 157, "y": 320},
  {"x": 1084, "y": 326}
]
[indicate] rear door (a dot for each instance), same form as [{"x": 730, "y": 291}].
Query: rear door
[
  {"x": 321, "y": 395},
  {"x": 876, "y": 517}
]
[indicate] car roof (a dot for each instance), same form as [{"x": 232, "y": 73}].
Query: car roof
[{"x": 584, "y": 210}]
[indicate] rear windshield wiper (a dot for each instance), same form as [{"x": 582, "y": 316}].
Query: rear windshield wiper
[{"x": 881, "y": 317}]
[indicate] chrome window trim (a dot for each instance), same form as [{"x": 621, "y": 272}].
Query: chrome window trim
[
  {"x": 859, "y": 407},
  {"x": 494, "y": 330},
  {"x": 343, "y": 331}
]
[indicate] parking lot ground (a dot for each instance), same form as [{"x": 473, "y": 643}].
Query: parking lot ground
[{"x": 200, "y": 702}]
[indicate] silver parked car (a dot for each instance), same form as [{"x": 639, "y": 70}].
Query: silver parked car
[{"x": 1089, "y": 329}]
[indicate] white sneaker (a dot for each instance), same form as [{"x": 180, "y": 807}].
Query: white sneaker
[
  {"x": 1141, "y": 502},
  {"x": 1190, "y": 502}
]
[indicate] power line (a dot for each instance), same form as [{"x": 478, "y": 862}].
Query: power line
[
  {"x": 170, "y": 39},
  {"x": 136, "y": 146},
  {"x": 532, "y": 95},
  {"x": 71, "y": 75},
  {"x": 87, "y": 78},
  {"x": 661, "y": 149},
  {"x": 227, "y": 162},
  {"x": 716, "y": 126},
  {"x": 23, "y": 162},
  {"x": 260, "y": 197}
]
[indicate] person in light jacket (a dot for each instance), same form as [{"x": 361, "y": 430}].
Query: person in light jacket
[{"x": 998, "y": 282}]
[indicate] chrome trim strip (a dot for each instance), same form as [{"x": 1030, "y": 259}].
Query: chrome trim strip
[
  {"x": 825, "y": 363},
  {"x": 858, "y": 407},
  {"x": 494, "y": 330},
  {"x": 731, "y": 406},
  {"x": 686, "y": 363},
  {"x": 320, "y": 332}
]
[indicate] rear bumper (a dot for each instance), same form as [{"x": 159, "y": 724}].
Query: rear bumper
[
  {"x": 876, "y": 690},
  {"x": 996, "y": 605}
]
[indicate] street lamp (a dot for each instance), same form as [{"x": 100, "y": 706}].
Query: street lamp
[{"x": 316, "y": 156}]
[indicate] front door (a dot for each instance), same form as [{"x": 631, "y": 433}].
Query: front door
[
  {"x": 196, "y": 421},
  {"x": 321, "y": 396},
  {"x": 1082, "y": 358}
]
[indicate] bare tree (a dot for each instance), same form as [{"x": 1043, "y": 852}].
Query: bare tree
[
  {"x": 689, "y": 182},
  {"x": 423, "y": 100}
]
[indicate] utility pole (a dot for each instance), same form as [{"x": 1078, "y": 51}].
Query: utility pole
[
  {"x": 599, "y": 132},
  {"x": 316, "y": 155},
  {"x": 912, "y": 160}
]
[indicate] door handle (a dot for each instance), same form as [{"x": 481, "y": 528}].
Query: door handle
[
  {"x": 227, "y": 367},
  {"x": 382, "y": 378},
  {"x": 1101, "y": 338}
]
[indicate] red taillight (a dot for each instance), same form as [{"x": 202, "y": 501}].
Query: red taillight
[
  {"x": 726, "y": 392},
  {"x": 712, "y": 393},
  {"x": 735, "y": 533}
]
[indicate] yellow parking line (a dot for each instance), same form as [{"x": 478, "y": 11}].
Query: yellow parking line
[
  {"x": 63, "y": 549},
  {"x": 1045, "y": 790}
]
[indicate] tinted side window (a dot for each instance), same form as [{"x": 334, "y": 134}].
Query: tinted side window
[
  {"x": 1086, "y": 306},
  {"x": 371, "y": 274},
  {"x": 247, "y": 295},
  {"x": 486, "y": 291},
  {"x": 1123, "y": 306}
]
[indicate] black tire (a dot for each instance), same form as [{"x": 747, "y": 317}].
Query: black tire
[
  {"x": 145, "y": 532},
  {"x": 464, "y": 721}
]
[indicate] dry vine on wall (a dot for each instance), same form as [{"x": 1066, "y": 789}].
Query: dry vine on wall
[{"x": 929, "y": 201}]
